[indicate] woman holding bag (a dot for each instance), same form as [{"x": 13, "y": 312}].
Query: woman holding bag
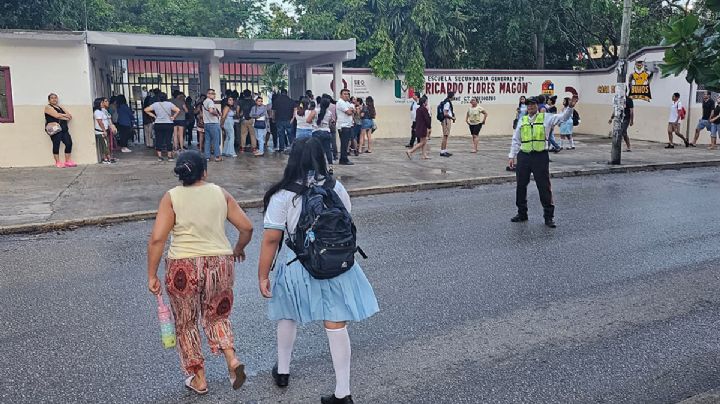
[
  {"x": 259, "y": 113},
  {"x": 200, "y": 266},
  {"x": 298, "y": 297}
]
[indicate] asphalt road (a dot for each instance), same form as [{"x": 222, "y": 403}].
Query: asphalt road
[{"x": 619, "y": 304}]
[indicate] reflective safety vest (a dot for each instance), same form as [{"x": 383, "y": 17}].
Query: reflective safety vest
[{"x": 532, "y": 135}]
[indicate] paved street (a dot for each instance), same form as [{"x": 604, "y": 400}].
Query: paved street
[
  {"x": 619, "y": 304},
  {"x": 137, "y": 182}
]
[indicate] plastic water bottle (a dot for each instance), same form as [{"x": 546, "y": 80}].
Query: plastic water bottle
[{"x": 167, "y": 324}]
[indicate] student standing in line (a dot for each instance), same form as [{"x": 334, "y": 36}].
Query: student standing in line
[
  {"x": 296, "y": 296},
  {"x": 423, "y": 123},
  {"x": 345, "y": 111},
  {"x": 200, "y": 122},
  {"x": 125, "y": 120},
  {"x": 200, "y": 267},
  {"x": 164, "y": 114},
  {"x": 304, "y": 120},
  {"x": 227, "y": 122},
  {"x": 475, "y": 118},
  {"x": 259, "y": 114},
  {"x": 322, "y": 131},
  {"x": 179, "y": 122},
  {"x": 211, "y": 119},
  {"x": 104, "y": 129},
  {"x": 189, "y": 121}
]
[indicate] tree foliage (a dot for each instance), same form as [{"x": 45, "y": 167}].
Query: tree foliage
[
  {"x": 217, "y": 18},
  {"x": 694, "y": 41}
]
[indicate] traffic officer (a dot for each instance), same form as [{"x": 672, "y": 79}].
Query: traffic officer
[{"x": 530, "y": 145}]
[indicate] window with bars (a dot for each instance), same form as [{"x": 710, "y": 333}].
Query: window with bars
[{"x": 6, "y": 105}]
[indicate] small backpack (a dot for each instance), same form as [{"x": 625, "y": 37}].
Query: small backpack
[
  {"x": 575, "y": 118},
  {"x": 325, "y": 240},
  {"x": 441, "y": 111}
]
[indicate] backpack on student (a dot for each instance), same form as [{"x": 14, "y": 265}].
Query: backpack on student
[
  {"x": 575, "y": 118},
  {"x": 325, "y": 240},
  {"x": 441, "y": 111},
  {"x": 682, "y": 112}
]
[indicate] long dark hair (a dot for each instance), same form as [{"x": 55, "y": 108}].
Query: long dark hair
[
  {"x": 121, "y": 100},
  {"x": 307, "y": 156},
  {"x": 370, "y": 106},
  {"x": 324, "y": 105},
  {"x": 97, "y": 104}
]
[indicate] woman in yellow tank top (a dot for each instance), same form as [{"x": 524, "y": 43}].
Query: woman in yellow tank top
[{"x": 199, "y": 269}]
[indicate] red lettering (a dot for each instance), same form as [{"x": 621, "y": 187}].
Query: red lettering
[{"x": 428, "y": 88}]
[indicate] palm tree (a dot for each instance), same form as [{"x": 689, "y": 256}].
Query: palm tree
[{"x": 274, "y": 78}]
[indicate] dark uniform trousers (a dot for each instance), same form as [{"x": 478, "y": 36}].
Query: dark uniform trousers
[{"x": 537, "y": 163}]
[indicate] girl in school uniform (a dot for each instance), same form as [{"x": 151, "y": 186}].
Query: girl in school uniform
[{"x": 295, "y": 296}]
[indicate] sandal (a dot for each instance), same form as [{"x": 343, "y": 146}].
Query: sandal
[
  {"x": 238, "y": 378},
  {"x": 189, "y": 386}
]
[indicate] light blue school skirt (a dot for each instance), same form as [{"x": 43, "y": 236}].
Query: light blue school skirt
[
  {"x": 566, "y": 128},
  {"x": 297, "y": 296}
]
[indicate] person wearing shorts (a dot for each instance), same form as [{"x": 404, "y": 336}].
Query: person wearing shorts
[
  {"x": 714, "y": 125},
  {"x": 475, "y": 118},
  {"x": 674, "y": 122},
  {"x": 704, "y": 123}
]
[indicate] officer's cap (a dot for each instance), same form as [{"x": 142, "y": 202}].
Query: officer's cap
[{"x": 531, "y": 100}]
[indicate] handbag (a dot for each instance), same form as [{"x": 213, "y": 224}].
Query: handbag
[{"x": 53, "y": 128}]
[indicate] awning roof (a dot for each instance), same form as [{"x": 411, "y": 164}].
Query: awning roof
[
  {"x": 228, "y": 49},
  {"x": 309, "y": 52}
]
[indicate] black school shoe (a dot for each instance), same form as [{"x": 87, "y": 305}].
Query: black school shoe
[
  {"x": 550, "y": 223},
  {"x": 519, "y": 218},
  {"x": 331, "y": 399},
  {"x": 280, "y": 380}
]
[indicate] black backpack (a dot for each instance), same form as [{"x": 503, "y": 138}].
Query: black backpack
[
  {"x": 325, "y": 237},
  {"x": 576, "y": 118},
  {"x": 441, "y": 111}
]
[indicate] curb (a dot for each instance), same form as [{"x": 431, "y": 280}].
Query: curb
[{"x": 71, "y": 224}]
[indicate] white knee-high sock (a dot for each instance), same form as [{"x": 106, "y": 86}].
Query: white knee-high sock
[
  {"x": 572, "y": 142},
  {"x": 340, "y": 351},
  {"x": 286, "y": 332}
]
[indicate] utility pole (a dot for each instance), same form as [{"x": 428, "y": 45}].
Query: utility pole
[{"x": 620, "y": 90}]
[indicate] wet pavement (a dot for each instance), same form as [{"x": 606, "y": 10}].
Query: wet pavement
[
  {"x": 619, "y": 304},
  {"x": 137, "y": 182}
]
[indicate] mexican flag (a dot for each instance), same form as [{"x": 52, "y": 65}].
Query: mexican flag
[{"x": 402, "y": 90}]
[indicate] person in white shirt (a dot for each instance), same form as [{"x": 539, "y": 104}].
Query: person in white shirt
[
  {"x": 413, "y": 116},
  {"x": 530, "y": 145},
  {"x": 345, "y": 110},
  {"x": 448, "y": 119},
  {"x": 104, "y": 129},
  {"x": 674, "y": 122}
]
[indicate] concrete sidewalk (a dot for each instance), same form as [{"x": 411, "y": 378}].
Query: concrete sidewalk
[{"x": 36, "y": 199}]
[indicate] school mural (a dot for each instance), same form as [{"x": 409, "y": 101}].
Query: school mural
[{"x": 639, "y": 82}]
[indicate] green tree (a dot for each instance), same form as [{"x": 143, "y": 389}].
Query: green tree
[
  {"x": 694, "y": 40},
  {"x": 274, "y": 78}
]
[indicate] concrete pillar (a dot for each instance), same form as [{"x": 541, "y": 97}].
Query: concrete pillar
[
  {"x": 214, "y": 70},
  {"x": 308, "y": 77},
  {"x": 337, "y": 78}
]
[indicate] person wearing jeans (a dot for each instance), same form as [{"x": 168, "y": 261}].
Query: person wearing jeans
[
  {"x": 211, "y": 117},
  {"x": 259, "y": 114},
  {"x": 345, "y": 111}
]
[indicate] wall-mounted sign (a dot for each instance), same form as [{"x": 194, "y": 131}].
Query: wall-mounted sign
[
  {"x": 639, "y": 82},
  {"x": 548, "y": 88}
]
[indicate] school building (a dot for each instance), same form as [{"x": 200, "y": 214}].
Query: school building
[{"x": 80, "y": 66}]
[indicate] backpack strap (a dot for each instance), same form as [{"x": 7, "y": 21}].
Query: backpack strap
[
  {"x": 296, "y": 188},
  {"x": 329, "y": 183}
]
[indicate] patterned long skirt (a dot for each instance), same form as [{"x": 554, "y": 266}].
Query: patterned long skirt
[{"x": 201, "y": 287}]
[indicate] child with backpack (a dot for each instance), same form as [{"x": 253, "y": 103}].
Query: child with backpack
[
  {"x": 566, "y": 128},
  {"x": 317, "y": 278}
]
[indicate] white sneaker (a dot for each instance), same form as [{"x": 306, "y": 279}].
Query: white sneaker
[{"x": 125, "y": 150}]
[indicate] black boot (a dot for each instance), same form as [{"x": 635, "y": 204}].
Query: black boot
[
  {"x": 519, "y": 218},
  {"x": 331, "y": 399},
  {"x": 550, "y": 223},
  {"x": 280, "y": 380}
]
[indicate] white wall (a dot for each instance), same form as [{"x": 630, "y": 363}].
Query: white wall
[
  {"x": 38, "y": 68},
  {"x": 499, "y": 93}
]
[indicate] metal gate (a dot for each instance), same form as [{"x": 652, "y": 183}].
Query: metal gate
[
  {"x": 135, "y": 77},
  {"x": 241, "y": 76}
]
